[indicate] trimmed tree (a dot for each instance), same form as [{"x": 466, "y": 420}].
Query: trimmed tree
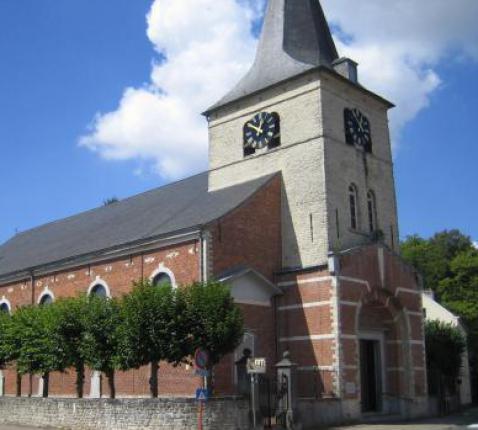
[
  {"x": 153, "y": 329},
  {"x": 445, "y": 346},
  {"x": 215, "y": 321},
  {"x": 100, "y": 342},
  {"x": 10, "y": 347},
  {"x": 39, "y": 350},
  {"x": 7, "y": 350},
  {"x": 71, "y": 330}
]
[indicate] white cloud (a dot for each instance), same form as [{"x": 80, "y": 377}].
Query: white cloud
[
  {"x": 205, "y": 46},
  {"x": 400, "y": 43},
  {"x": 475, "y": 244}
]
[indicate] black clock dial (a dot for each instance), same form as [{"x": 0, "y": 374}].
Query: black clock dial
[
  {"x": 260, "y": 131},
  {"x": 357, "y": 129}
]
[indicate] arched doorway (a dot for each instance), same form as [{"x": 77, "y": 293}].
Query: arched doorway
[{"x": 383, "y": 354}]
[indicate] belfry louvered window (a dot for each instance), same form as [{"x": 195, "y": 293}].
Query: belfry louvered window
[
  {"x": 353, "y": 202},
  {"x": 372, "y": 211}
]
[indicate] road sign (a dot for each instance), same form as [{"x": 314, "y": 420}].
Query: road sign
[
  {"x": 202, "y": 394},
  {"x": 202, "y": 372},
  {"x": 256, "y": 366},
  {"x": 201, "y": 359}
]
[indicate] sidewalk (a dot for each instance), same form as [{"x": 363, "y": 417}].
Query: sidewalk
[{"x": 467, "y": 420}]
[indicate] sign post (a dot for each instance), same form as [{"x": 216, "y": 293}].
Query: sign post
[
  {"x": 255, "y": 366},
  {"x": 201, "y": 361}
]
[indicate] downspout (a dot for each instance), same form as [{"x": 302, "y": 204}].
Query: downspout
[
  {"x": 142, "y": 266},
  {"x": 32, "y": 285},
  {"x": 204, "y": 256}
]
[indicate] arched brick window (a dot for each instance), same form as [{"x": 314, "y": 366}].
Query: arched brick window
[
  {"x": 163, "y": 276},
  {"x": 99, "y": 288},
  {"x": 372, "y": 211},
  {"x": 46, "y": 299},
  {"x": 162, "y": 279},
  {"x": 4, "y": 307},
  {"x": 99, "y": 291}
]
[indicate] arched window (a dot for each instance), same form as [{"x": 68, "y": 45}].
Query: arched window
[
  {"x": 99, "y": 290},
  {"x": 353, "y": 202},
  {"x": 162, "y": 279},
  {"x": 46, "y": 299},
  {"x": 4, "y": 308},
  {"x": 372, "y": 211}
]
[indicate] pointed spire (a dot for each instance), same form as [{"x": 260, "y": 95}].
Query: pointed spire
[{"x": 295, "y": 38}]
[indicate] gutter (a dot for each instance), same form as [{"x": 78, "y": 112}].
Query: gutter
[{"x": 137, "y": 247}]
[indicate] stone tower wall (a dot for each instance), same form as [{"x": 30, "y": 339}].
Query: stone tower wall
[{"x": 299, "y": 159}]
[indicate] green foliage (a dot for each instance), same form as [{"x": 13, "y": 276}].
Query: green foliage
[
  {"x": 449, "y": 265},
  {"x": 215, "y": 321},
  {"x": 153, "y": 329},
  {"x": 445, "y": 345},
  {"x": 100, "y": 345},
  {"x": 432, "y": 257},
  {"x": 150, "y": 325},
  {"x": 7, "y": 347},
  {"x": 100, "y": 342},
  {"x": 71, "y": 328},
  {"x": 39, "y": 350}
]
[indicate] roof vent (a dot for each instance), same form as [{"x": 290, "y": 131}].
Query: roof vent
[{"x": 347, "y": 68}]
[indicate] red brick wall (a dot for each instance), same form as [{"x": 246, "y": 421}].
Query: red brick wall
[
  {"x": 387, "y": 301},
  {"x": 305, "y": 311},
  {"x": 119, "y": 274},
  {"x": 251, "y": 234},
  {"x": 259, "y": 320}
]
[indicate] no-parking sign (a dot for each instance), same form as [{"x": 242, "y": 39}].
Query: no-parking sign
[{"x": 201, "y": 359}]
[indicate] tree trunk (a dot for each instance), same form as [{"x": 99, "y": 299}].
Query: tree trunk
[
  {"x": 19, "y": 385},
  {"x": 30, "y": 384},
  {"x": 111, "y": 383},
  {"x": 46, "y": 383},
  {"x": 80, "y": 380},
  {"x": 153, "y": 380}
]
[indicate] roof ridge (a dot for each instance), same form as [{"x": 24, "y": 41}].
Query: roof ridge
[{"x": 104, "y": 207}]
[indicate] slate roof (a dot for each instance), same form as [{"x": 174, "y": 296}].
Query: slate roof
[
  {"x": 295, "y": 38},
  {"x": 177, "y": 207}
]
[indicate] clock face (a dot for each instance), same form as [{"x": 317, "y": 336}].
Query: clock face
[
  {"x": 357, "y": 129},
  {"x": 260, "y": 131}
]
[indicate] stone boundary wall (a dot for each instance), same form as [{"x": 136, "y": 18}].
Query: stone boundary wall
[{"x": 124, "y": 414}]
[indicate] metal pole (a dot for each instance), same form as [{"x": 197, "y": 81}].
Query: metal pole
[
  {"x": 253, "y": 398},
  {"x": 200, "y": 427}
]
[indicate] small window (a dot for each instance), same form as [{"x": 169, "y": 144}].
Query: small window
[
  {"x": 162, "y": 279},
  {"x": 4, "y": 308},
  {"x": 353, "y": 201},
  {"x": 99, "y": 291},
  {"x": 372, "y": 211},
  {"x": 46, "y": 300}
]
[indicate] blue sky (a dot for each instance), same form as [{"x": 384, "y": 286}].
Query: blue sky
[{"x": 62, "y": 63}]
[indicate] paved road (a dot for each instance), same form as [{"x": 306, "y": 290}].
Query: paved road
[
  {"x": 8, "y": 427},
  {"x": 466, "y": 421}
]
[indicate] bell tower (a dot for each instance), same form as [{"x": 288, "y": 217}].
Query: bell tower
[{"x": 301, "y": 111}]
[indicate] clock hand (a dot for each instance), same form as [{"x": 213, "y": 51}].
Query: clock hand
[
  {"x": 358, "y": 121},
  {"x": 257, "y": 129}
]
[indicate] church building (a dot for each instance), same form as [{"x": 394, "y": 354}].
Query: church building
[{"x": 297, "y": 213}]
